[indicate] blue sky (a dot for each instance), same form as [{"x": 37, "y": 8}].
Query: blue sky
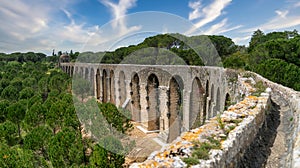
[{"x": 96, "y": 25}]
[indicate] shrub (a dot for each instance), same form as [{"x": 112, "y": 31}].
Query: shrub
[{"x": 191, "y": 161}]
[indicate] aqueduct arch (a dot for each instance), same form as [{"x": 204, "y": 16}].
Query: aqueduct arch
[
  {"x": 218, "y": 105},
  {"x": 197, "y": 103},
  {"x": 72, "y": 71},
  {"x": 104, "y": 86},
  {"x": 153, "y": 102},
  {"x": 122, "y": 88},
  {"x": 98, "y": 84},
  {"x": 112, "y": 87},
  {"x": 227, "y": 101},
  {"x": 175, "y": 103},
  {"x": 92, "y": 80},
  {"x": 76, "y": 70},
  {"x": 135, "y": 98},
  {"x": 162, "y": 98},
  {"x": 86, "y": 73},
  {"x": 81, "y": 71},
  {"x": 211, "y": 102},
  {"x": 205, "y": 108}
]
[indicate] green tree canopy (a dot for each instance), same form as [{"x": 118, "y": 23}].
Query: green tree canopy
[
  {"x": 26, "y": 93},
  {"x": 107, "y": 153},
  {"x": 3, "y": 112},
  {"x": 35, "y": 116},
  {"x": 9, "y": 132},
  {"x": 10, "y": 93},
  {"x": 37, "y": 139},
  {"x": 66, "y": 149},
  {"x": 16, "y": 113}
]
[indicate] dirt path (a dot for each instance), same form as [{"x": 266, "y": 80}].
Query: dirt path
[{"x": 145, "y": 144}]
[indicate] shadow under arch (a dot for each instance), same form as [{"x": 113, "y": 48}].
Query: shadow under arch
[
  {"x": 135, "y": 98},
  {"x": 112, "y": 86},
  {"x": 104, "y": 87},
  {"x": 153, "y": 102},
  {"x": 227, "y": 101},
  {"x": 92, "y": 80},
  {"x": 211, "y": 102},
  {"x": 98, "y": 83},
  {"x": 196, "y": 104},
  {"x": 122, "y": 87},
  {"x": 218, "y": 103},
  {"x": 175, "y": 107},
  {"x": 205, "y": 110}
]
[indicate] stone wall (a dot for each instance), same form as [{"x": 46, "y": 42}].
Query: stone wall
[
  {"x": 235, "y": 129},
  {"x": 293, "y": 98}
]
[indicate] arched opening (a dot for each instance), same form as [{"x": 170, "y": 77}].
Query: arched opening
[
  {"x": 104, "y": 86},
  {"x": 227, "y": 101},
  {"x": 196, "y": 104},
  {"x": 98, "y": 82},
  {"x": 86, "y": 73},
  {"x": 135, "y": 98},
  {"x": 65, "y": 69},
  {"x": 122, "y": 88},
  {"x": 212, "y": 101},
  {"x": 72, "y": 70},
  {"x": 205, "y": 101},
  {"x": 68, "y": 70},
  {"x": 175, "y": 113},
  {"x": 76, "y": 70},
  {"x": 92, "y": 75},
  {"x": 218, "y": 104},
  {"x": 112, "y": 86},
  {"x": 153, "y": 102},
  {"x": 81, "y": 72}
]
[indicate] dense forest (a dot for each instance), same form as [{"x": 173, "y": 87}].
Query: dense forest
[
  {"x": 275, "y": 55},
  {"x": 39, "y": 126}
]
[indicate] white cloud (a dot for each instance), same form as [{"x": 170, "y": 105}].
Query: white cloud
[
  {"x": 118, "y": 11},
  {"x": 241, "y": 40},
  {"x": 40, "y": 26},
  {"x": 69, "y": 15},
  {"x": 220, "y": 28},
  {"x": 285, "y": 18},
  {"x": 21, "y": 20},
  {"x": 282, "y": 20},
  {"x": 282, "y": 13},
  {"x": 196, "y": 10},
  {"x": 206, "y": 14},
  {"x": 77, "y": 33}
]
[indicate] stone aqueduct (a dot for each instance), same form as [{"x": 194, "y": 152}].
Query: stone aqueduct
[
  {"x": 166, "y": 99},
  {"x": 173, "y": 99}
]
